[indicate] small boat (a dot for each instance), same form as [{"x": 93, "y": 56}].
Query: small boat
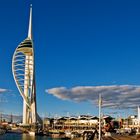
[
  {"x": 31, "y": 133},
  {"x": 2, "y": 131},
  {"x": 68, "y": 134},
  {"x": 107, "y": 134}
]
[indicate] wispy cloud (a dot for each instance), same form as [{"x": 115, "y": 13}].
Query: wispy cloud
[
  {"x": 3, "y": 90},
  {"x": 113, "y": 96},
  {"x": 3, "y": 96}
]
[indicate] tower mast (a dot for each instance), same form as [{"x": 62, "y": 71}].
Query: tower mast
[{"x": 30, "y": 24}]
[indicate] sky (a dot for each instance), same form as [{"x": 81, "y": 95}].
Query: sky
[{"x": 82, "y": 48}]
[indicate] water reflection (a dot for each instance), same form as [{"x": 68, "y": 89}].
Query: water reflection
[
  {"x": 14, "y": 136},
  {"x": 27, "y": 137}
]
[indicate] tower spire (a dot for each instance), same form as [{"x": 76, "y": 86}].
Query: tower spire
[{"x": 30, "y": 24}]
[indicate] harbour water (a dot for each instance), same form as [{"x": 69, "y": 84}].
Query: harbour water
[{"x": 15, "y": 136}]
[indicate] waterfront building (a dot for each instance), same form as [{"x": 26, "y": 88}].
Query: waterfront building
[
  {"x": 132, "y": 121},
  {"x": 23, "y": 68},
  {"x": 73, "y": 123}
]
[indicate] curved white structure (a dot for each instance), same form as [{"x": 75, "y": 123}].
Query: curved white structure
[{"x": 24, "y": 75}]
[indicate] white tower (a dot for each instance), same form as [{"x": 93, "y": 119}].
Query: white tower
[
  {"x": 138, "y": 113},
  {"x": 24, "y": 75}
]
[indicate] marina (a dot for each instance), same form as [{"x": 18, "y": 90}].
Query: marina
[
  {"x": 83, "y": 127},
  {"x": 68, "y": 128},
  {"x": 15, "y": 136}
]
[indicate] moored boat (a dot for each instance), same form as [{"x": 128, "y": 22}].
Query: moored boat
[
  {"x": 2, "y": 131},
  {"x": 32, "y": 133}
]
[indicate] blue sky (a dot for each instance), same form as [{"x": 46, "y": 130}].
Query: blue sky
[{"x": 77, "y": 43}]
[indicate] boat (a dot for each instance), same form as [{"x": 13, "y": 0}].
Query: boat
[
  {"x": 107, "y": 134},
  {"x": 68, "y": 133},
  {"x": 31, "y": 133},
  {"x": 2, "y": 131}
]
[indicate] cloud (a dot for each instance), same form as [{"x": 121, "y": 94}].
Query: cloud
[
  {"x": 3, "y": 90},
  {"x": 126, "y": 96},
  {"x": 3, "y": 98}
]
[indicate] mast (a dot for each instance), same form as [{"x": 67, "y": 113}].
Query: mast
[
  {"x": 100, "y": 104},
  {"x": 30, "y": 24}
]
